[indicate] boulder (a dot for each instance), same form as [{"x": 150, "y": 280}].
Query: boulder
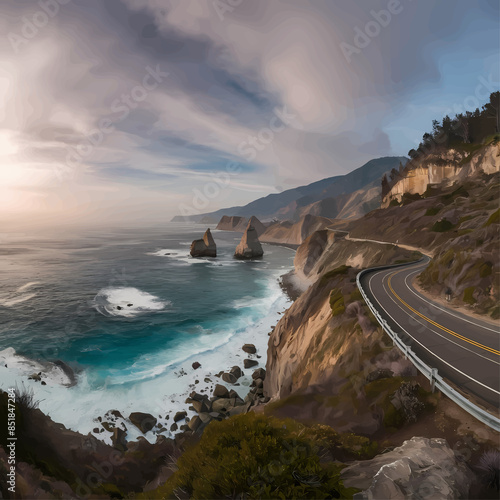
[
  {"x": 248, "y": 363},
  {"x": 249, "y": 246},
  {"x": 220, "y": 391},
  {"x": 233, "y": 394},
  {"x": 194, "y": 423},
  {"x": 222, "y": 404},
  {"x": 420, "y": 468},
  {"x": 236, "y": 371},
  {"x": 259, "y": 373},
  {"x": 174, "y": 427},
  {"x": 180, "y": 415},
  {"x": 201, "y": 406},
  {"x": 229, "y": 378},
  {"x": 118, "y": 439},
  {"x": 205, "y": 247},
  {"x": 205, "y": 417},
  {"x": 143, "y": 421},
  {"x": 249, "y": 348},
  {"x": 196, "y": 365}
]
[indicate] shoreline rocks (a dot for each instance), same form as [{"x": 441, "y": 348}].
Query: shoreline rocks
[
  {"x": 205, "y": 247},
  {"x": 249, "y": 246}
]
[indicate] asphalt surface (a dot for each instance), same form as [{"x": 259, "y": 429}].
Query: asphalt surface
[{"x": 465, "y": 350}]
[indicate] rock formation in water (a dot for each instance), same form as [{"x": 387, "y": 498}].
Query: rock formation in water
[
  {"x": 249, "y": 246},
  {"x": 205, "y": 247}
]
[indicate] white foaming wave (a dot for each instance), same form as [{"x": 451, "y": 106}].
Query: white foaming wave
[
  {"x": 127, "y": 302},
  {"x": 10, "y": 301},
  {"x": 28, "y": 285},
  {"x": 22, "y": 366}
]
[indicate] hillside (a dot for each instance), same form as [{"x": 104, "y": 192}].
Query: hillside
[{"x": 292, "y": 203}]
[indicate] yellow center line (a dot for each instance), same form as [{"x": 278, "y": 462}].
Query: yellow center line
[{"x": 447, "y": 330}]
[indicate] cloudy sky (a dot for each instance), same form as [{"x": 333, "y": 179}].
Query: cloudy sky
[{"x": 132, "y": 111}]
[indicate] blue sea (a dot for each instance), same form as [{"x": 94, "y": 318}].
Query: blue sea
[{"x": 129, "y": 311}]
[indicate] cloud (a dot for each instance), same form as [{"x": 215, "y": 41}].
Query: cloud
[{"x": 229, "y": 73}]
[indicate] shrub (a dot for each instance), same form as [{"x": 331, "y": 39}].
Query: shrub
[
  {"x": 394, "y": 203},
  {"x": 485, "y": 269},
  {"x": 489, "y": 466},
  {"x": 25, "y": 398},
  {"x": 442, "y": 226},
  {"x": 338, "y": 271},
  {"x": 432, "y": 211},
  {"x": 494, "y": 218},
  {"x": 253, "y": 456},
  {"x": 337, "y": 303},
  {"x": 468, "y": 295},
  {"x": 408, "y": 198}
]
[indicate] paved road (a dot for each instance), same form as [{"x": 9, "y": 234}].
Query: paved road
[{"x": 465, "y": 350}]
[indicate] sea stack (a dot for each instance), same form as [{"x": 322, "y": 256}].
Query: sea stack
[
  {"x": 249, "y": 246},
  {"x": 205, "y": 247}
]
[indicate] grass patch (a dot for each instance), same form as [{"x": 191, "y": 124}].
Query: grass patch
[{"x": 337, "y": 303}]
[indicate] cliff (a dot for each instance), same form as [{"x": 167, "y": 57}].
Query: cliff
[
  {"x": 240, "y": 224},
  {"x": 291, "y": 233},
  {"x": 444, "y": 166}
]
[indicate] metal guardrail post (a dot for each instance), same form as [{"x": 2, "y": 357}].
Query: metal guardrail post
[{"x": 434, "y": 373}]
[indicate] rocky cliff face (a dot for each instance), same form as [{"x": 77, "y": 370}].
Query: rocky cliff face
[
  {"x": 323, "y": 350},
  {"x": 205, "y": 247},
  {"x": 420, "y": 468},
  {"x": 232, "y": 223},
  {"x": 294, "y": 233},
  {"x": 249, "y": 246},
  {"x": 442, "y": 167}
]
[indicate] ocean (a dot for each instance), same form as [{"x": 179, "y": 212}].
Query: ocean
[{"x": 130, "y": 311}]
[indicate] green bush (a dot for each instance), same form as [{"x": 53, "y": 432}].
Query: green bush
[
  {"x": 253, "y": 456},
  {"x": 432, "y": 211},
  {"x": 442, "y": 226}
]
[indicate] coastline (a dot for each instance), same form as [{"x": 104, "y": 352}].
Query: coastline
[{"x": 88, "y": 410}]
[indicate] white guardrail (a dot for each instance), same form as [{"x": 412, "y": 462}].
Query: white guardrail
[{"x": 431, "y": 373}]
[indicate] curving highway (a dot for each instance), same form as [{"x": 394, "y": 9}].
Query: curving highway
[{"x": 465, "y": 350}]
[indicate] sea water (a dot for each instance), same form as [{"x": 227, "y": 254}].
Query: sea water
[{"x": 130, "y": 311}]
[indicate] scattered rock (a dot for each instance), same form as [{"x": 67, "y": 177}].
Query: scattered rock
[
  {"x": 37, "y": 377},
  {"x": 195, "y": 423},
  {"x": 118, "y": 439},
  {"x": 174, "y": 427},
  {"x": 249, "y": 363},
  {"x": 143, "y": 421},
  {"x": 236, "y": 371},
  {"x": 119, "y": 308},
  {"x": 233, "y": 394},
  {"x": 229, "y": 378},
  {"x": 220, "y": 391},
  {"x": 130, "y": 305},
  {"x": 43, "y": 383},
  {"x": 249, "y": 348},
  {"x": 180, "y": 415},
  {"x": 201, "y": 406},
  {"x": 259, "y": 373},
  {"x": 196, "y": 365}
]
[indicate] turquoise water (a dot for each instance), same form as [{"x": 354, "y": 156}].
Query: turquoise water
[{"x": 125, "y": 308}]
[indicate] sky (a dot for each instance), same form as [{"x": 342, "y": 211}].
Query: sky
[{"x": 132, "y": 111}]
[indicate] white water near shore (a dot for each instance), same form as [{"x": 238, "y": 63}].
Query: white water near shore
[{"x": 167, "y": 380}]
